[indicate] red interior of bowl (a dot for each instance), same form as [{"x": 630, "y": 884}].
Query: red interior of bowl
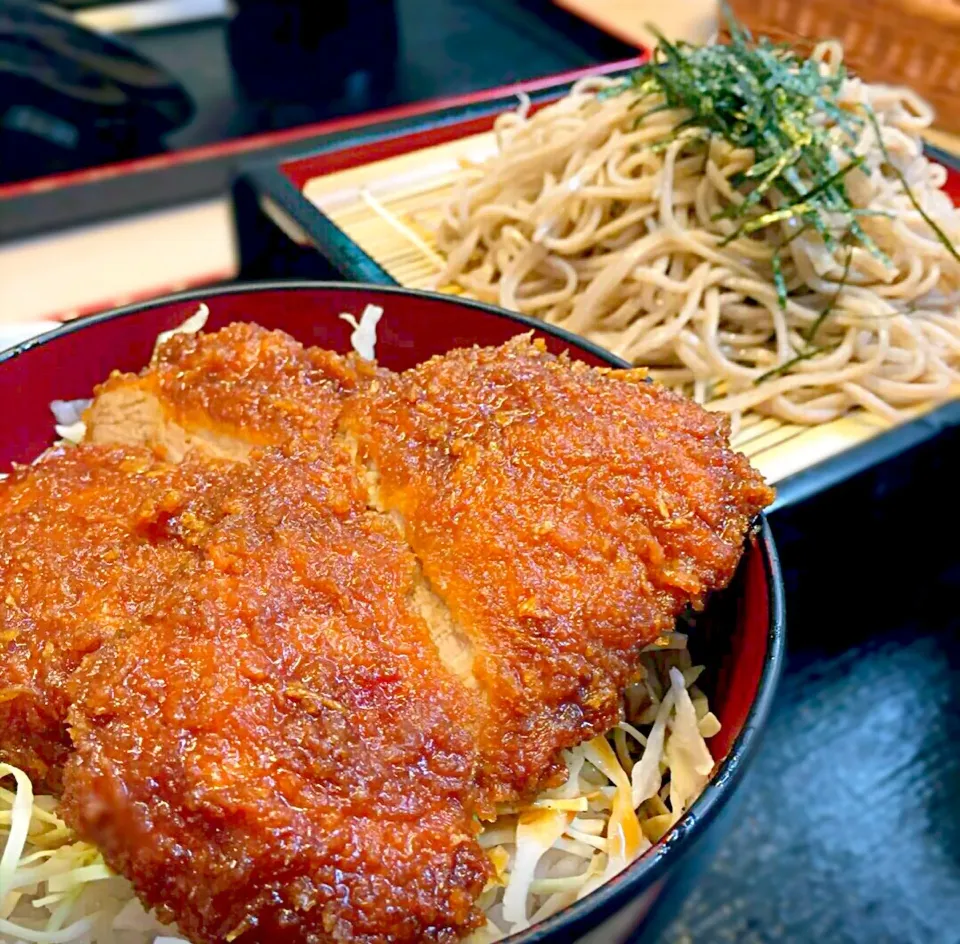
[
  {"x": 741, "y": 663},
  {"x": 68, "y": 367},
  {"x": 952, "y": 186},
  {"x": 413, "y": 328}
]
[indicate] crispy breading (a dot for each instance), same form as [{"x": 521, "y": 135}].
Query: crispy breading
[
  {"x": 305, "y": 621},
  {"x": 225, "y": 394},
  {"x": 81, "y": 547},
  {"x": 79, "y": 562},
  {"x": 565, "y": 516}
]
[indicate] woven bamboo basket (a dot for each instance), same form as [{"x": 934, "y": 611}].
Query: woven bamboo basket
[{"x": 898, "y": 42}]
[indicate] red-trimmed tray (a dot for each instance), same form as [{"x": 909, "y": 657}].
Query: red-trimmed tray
[{"x": 274, "y": 221}]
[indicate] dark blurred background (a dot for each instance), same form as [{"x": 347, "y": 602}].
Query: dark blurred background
[
  {"x": 84, "y": 84},
  {"x": 847, "y": 829}
]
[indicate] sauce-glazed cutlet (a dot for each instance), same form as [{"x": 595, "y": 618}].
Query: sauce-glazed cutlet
[
  {"x": 79, "y": 562},
  {"x": 283, "y": 758},
  {"x": 564, "y": 517},
  {"x": 268, "y": 744},
  {"x": 225, "y": 393},
  {"x": 295, "y": 681}
]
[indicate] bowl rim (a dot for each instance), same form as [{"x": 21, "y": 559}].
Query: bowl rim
[
  {"x": 643, "y": 873},
  {"x": 305, "y": 285}
]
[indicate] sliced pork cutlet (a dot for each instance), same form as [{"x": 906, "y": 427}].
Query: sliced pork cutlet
[
  {"x": 563, "y": 517},
  {"x": 81, "y": 554},
  {"x": 284, "y": 758},
  {"x": 225, "y": 393}
]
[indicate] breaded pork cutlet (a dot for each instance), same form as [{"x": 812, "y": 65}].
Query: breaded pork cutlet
[
  {"x": 283, "y": 758},
  {"x": 565, "y": 516},
  {"x": 402, "y": 604},
  {"x": 225, "y": 393},
  {"x": 83, "y": 551},
  {"x": 269, "y": 744}
]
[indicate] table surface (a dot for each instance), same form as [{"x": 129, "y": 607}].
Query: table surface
[
  {"x": 439, "y": 55},
  {"x": 446, "y": 47}
]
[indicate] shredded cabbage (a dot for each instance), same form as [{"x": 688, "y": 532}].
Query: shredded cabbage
[
  {"x": 364, "y": 336},
  {"x": 686, "y": 751},
  {"x": 537, "y": 831},
  {"x": 56, "y": 890},
  {"x": 645, "y": 777},
  {"x": 68, "y": 412},
  {"x": 622, "y": 793},
  {"x": 69, "y": 419},
  {"x": 19, "y": 827},
  {"x": 193, "y": 325}
]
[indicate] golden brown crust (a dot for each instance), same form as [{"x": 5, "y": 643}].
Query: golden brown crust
[
  {"x": 225, "y": 393},
  {"x": 285, "y": 711},
  {"x": 566, "y": 516}
]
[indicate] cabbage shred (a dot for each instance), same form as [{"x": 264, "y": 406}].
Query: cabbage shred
[{"x": 623, "y": 792}]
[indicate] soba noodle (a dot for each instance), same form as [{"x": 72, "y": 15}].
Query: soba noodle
[{"x": 614, "y": 228}]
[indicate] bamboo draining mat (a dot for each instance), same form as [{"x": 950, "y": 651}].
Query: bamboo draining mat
[{"x": 390, "y": 209}]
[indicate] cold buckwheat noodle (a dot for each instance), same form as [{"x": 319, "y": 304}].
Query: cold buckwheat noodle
[{"x": 625, "y": 217}]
